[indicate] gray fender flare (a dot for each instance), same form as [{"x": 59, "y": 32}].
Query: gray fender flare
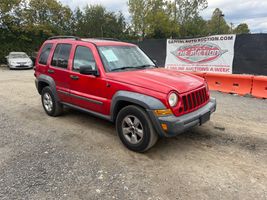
[
  {"x": 143, "y": 100},
  {"x": 50, "y": 81}
]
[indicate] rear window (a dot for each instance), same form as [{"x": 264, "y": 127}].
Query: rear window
[
  {"x": 61, "y": 56},
  {"x": 44, "y": 54}
]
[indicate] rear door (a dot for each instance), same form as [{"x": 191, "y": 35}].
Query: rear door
[
  {"x": 87, "y": 91},
  {"x": 58, "y": 70}
]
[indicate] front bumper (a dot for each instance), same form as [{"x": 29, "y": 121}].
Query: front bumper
[
  {"x": 177, "y": 125},
  {"x": 20, "y": 66}
]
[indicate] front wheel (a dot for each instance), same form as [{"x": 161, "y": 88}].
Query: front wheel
[{"x": 135, "y": 129}]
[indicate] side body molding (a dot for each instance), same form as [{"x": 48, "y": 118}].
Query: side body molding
[
  {"x": 48, "y": 80},
  {"x": 145, "y": 101}
]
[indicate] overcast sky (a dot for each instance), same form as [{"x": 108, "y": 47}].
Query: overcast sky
[{"x": 252, "y": 12}]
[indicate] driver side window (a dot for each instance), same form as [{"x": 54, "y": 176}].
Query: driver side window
[{"x": 83, "y": 57}]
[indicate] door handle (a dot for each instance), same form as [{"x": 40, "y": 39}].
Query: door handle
[
  {"x": 50, "y": 71},
  {"x": 74, "y": 77}
]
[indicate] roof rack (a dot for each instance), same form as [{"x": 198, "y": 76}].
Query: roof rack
[{"x": 64, "y": 37}]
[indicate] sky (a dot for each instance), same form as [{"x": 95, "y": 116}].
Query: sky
[{"x": 252, "y": 12}]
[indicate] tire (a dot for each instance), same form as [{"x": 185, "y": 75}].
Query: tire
[
  {"x": 51, "y": 106},
  {"x": 129, "y": 123}
]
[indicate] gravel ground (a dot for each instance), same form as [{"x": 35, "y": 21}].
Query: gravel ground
[{"x": 77, "y": 156}]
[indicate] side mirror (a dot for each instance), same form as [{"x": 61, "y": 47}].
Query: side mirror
[{"x": 88, "y": 70}]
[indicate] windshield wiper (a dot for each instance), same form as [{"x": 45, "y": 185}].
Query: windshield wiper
[
  {"x": 130, "y": 67},
  {"x": 122, "y": 68},
  {"x": 143, "y": 66}
]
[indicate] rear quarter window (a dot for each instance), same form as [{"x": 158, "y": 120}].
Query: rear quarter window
[{"x": 45, "y": 54}]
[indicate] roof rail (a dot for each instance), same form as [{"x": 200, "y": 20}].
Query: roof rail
[
  {"x": 102, "y": 38},
  {"x": 64, "y": 37}
]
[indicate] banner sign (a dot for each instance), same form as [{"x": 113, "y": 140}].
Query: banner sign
[{"x": 213, "y": 54}]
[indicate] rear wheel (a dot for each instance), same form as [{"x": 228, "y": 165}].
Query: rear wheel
[
  {"x": 135, "y": 129},
  {"x": 50, "y": 105}
]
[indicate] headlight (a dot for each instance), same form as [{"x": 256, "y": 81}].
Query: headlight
[
  {"x": 173, "y": 99},
  {"x": 13, "y": 63}
]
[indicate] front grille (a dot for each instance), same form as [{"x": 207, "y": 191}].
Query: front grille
[{"x": 193, "y": 100}]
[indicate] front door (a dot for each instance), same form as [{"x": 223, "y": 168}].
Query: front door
[{"x": 86, "y": 90}]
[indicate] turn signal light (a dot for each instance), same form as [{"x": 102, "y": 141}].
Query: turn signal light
[
  {"x": 163, "y": 112},
  {"x": 164, "y": 127}
]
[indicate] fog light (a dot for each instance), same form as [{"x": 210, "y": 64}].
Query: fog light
[
  {"x": 164, "y": 127},
  {"x": 163, "y": 112}
]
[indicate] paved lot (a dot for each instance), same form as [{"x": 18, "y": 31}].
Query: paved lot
[{"x": 77, "y": 156}]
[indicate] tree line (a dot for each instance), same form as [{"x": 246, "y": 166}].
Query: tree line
[
  {"x": 179, "y": 18},
  {"x": 25, "y": 24}
]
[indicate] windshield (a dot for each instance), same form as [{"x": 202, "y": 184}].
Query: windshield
[
  {"x": 118, "y": 58},
  {"x": 18, "y": 55}
]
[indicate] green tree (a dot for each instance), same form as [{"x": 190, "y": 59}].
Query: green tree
[
  {"x": 25, "y": 24},
  {"x": 195, "y": 27},
  {"x": 217, "y": 24},
  {"x": 158, "y": 22},
  {"x": 162, "y": 18},
  {"x": 96, "y": 21},
  {"x": 152, "y": 18},
  {"x": 241, "y": 29},
  {"x": 138, "y": 10},
  {"x": 49, "y": 15},
  {"x": 10, "y": 27},
  {"x": 186, "y": 11},
  {"x": 9, "y": 10},
  {"x": 77, "y": 22}
]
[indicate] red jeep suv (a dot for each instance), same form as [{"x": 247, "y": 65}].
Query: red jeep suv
[{"x": 117, "y": 81}]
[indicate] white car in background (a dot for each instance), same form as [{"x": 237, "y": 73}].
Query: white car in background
[{"x": 19, "y": 60}]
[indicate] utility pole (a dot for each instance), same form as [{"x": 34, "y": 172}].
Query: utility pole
[
  {"x": 219, "y": 25},
  {"x": 232, "y": 27},
  {"x": 175, "y": 10}
]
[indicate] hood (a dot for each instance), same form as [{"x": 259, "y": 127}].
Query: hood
[
  {"x": 19, "y": 60},
  {"x": 159, "y": 79}
]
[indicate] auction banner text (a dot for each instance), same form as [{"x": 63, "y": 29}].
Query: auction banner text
[{"x": 213, "y": 54}]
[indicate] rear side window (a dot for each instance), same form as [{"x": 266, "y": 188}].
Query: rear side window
[
  {"x": 45, "y": 54},
  {"x": 83, "y": 57},
  {"x": 61, "y": 56}
]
